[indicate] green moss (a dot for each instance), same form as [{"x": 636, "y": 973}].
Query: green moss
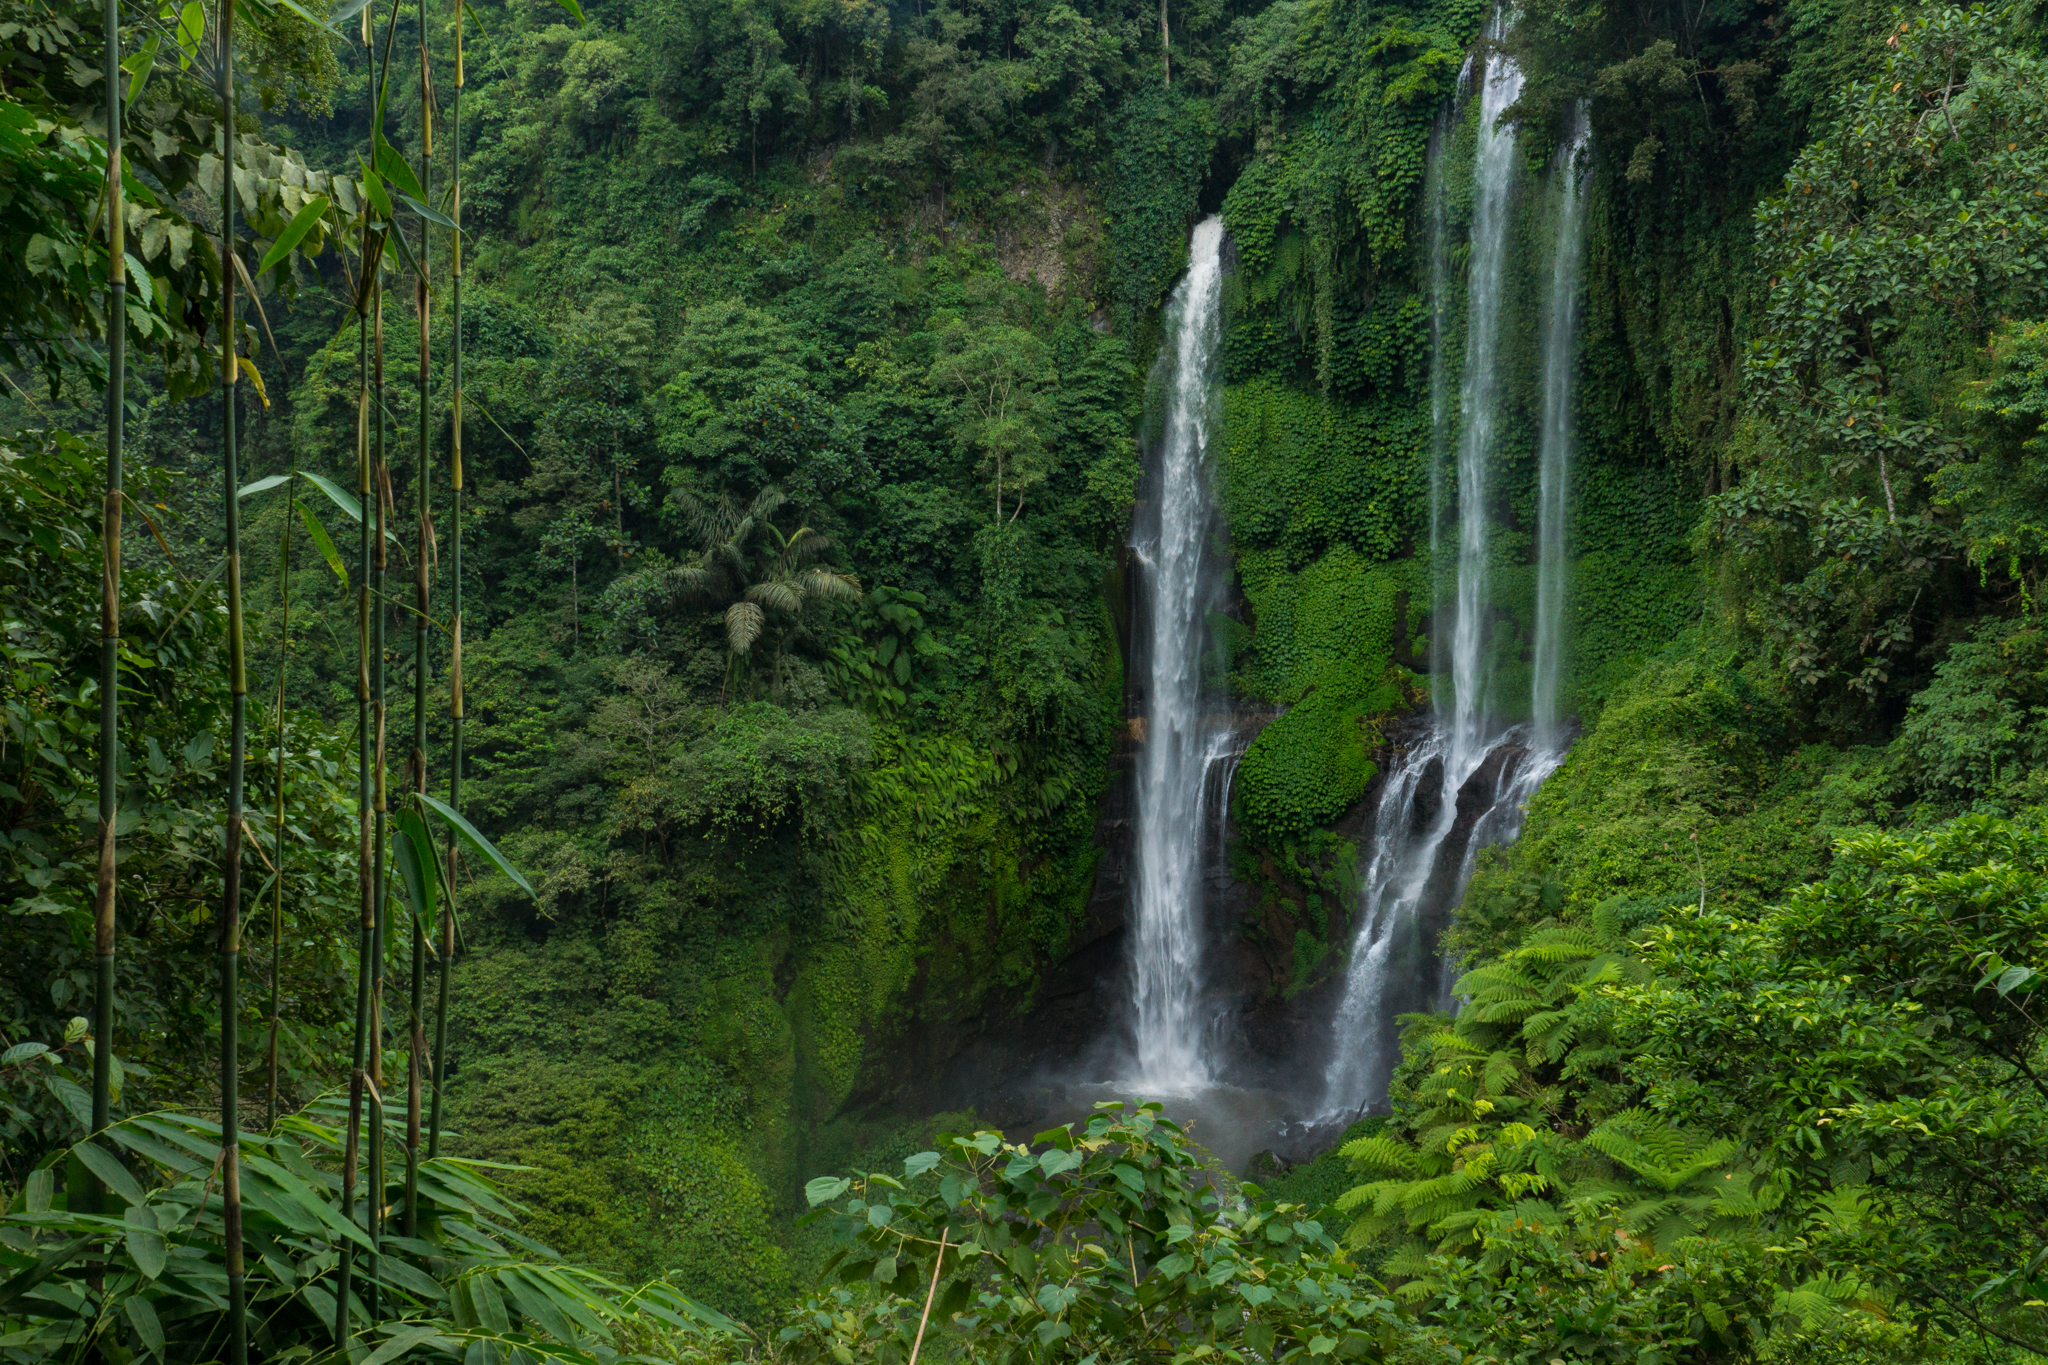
[{"x": 1695, "y": 781}]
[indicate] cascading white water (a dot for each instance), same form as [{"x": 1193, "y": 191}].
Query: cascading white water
[
  {"x": 1493, "y": 172},
  {"x": 1560, "y": 334},
  {"x": 1389, "y": 917},
  {"x": 1175, "y": 759},
  {"x": 1463, "y": 785}
]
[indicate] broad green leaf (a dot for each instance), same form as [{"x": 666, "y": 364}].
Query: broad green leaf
[
  {"x": 398, "y": 171},
  {"x": 483, "y": 847},
  {"x": 141, "y": 64},
  {"x": 2013, "y": 978},
  {"x": 430, "y": 215},
  {"x": 915, "y": 1166},
  {"x": 322, "y": 543},
  {"x": 22, "y": 1052},
  {"x": 139, "y": 280},
  {"x": 373, "y": 186},
  {"x": 142, "y": 1313},
  {"x": 1056, "y": 1161},
  {"x": 404, "y": 1340},
  {"x": 826, "y": 1188},
  {"x": 73, "y": 1098},
  {"x": 309, "y": 214},
  {"x": 108, "y": 1168},
  {"x": 415, "y": 850},
  {"x": 145, "y": 1242},
  {"x": 573, "y": 8}
]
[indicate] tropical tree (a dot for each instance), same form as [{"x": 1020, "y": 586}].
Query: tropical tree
[
  {"x": 999, "y": 374},
  {"x": 755, "y": 575}
]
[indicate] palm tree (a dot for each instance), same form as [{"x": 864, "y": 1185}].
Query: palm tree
[{"x": 747, "y": 565}]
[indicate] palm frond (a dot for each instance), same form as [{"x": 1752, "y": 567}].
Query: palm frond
[
  {"x": 742, "y": 626},
  {"x": 832, "y": 587},
  {"x": 777, "y": 594}
]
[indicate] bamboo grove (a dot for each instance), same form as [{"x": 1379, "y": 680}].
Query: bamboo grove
[{"x": 347, "y": 1279}]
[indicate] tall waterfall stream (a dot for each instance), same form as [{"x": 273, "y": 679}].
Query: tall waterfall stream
[
  {"x": 1457, "y": 786},
  {"x": 1180, "y": 747}
]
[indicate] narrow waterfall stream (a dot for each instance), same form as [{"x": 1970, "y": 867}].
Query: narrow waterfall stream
[
  {"x": 1462, "y": 785},
  {"x": 1554, "y": 457},
  {"x": 1181, "y": 746}
]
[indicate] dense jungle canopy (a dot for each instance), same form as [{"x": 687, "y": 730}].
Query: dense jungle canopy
[{"x": 779, "y": 639}]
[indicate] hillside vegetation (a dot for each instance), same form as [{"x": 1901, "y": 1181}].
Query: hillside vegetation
[{"x": 804, "y": 380}]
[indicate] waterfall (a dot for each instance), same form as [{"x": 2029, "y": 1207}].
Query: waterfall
[
  {"x": 1179, "y": 745},
  {"x": 1462, "y": 785},
  {"x": 1560, "y": 331},
  {"x": 1493, "y": 172}
]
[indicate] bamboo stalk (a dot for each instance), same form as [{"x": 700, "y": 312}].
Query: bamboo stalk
[
  {"x": 455, "y": 651},
  {"x": 378, "y": 899},
  {"x": 422, "y": 601},
  {"x": 364, "y": 875},
  {"x": 238, "y": 728},
  {"x": 369, "y": 733},
  {"x": 110, "y": 594},
  {"x": 284, "y": 645}
]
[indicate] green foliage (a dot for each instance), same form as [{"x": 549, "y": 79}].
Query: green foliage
[
  {"x": 1998, "y": 494},
  {"x": 1313, "y": 764},
  {"x": 1163, "y": 141},
  {"x": 1809, "y": 1032},
  {"x": 1974, "y": 732},
  {"x": 54, "y": 283},
  {"x": 172, "y": 779},
  {"x": 1901, "y": 236},
  {"x": 144, "y": 1280},
  {"x": 1094, "y": 1238}
]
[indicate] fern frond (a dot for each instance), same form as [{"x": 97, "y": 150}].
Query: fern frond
[{"x": 1379, "y": 1152}]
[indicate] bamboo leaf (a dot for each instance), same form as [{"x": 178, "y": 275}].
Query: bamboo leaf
[
  {"x": 483, "y": 847},
  {"x": 191, "y": 30},
  {"x": 141, "y": 64},
  {"x": 373, "y": 186},
  {"x": 109, "y": 1169},
  {"x": 142, "y": 1313},
  {"x": 398, "y": 1343},
  {"x": 405, "y": 255},
  {"x": 322, "y": 542},
  {"x": 573, "y": 8},
  {"x": 341, "y": 498},
  {"x": 394, "y": 168},
  {"x": 310, "y": 213},
  {"x": 416, "y": 865},
  {"x": 262, "y": 485},
  {"x": 145, "y": 1242},
  {"x": 254, "y": 376},
  {"x": 430, "y": 215},
  {"x": 347, "y": 10},
  {"x": 52, "y": 1261}
]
